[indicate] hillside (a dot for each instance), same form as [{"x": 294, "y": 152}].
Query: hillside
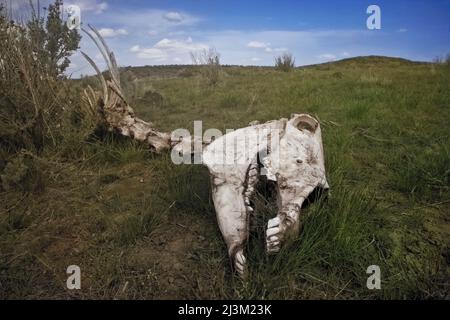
[
  {"x": 142, "y": 227},
  {"x": 164, "y": 71}
]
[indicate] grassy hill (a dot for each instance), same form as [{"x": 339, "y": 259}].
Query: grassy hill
[{"x": 141, "y": 227}]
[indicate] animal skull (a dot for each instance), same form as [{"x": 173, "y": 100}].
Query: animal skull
[{"x": 294, "y": 160}]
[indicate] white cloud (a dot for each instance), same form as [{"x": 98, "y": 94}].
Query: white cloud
[
  {"x": 257, "y": 44},
  {"x": 148, "y": 53},
  {"x": 152, "y": 54},
  {"x": 143, "y": 27},
  {"x": 135, "y": 48},
  {"x": 94, "y": 6},
  {"x": 168, "y": 48},
  {"x": 327, "y": 57},
  {"x": 401, "y": 30},
  {"x": 255, "y": 59},
  {"x": 180, "y": 45},
  {"x": 157, "y": 22},
  {"x": 264, "y": 45},
  {"x": 173, "y": 17},
  {"x": 111, "y": 33}
]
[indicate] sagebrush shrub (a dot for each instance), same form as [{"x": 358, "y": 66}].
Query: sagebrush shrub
[
  {"x": 209, "y": 62},
  {"x": 285, "y": 62}
]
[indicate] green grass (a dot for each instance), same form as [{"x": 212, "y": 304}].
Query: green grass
[{"x": 141, "y": 227}]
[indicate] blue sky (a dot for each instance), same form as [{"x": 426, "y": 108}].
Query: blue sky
[{"x": 253, "y": 32}]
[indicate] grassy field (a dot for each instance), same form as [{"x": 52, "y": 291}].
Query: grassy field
[{"x": 141, "y": 227}]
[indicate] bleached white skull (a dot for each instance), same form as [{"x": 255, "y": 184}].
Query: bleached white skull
[{"x": 294, "y": 160}]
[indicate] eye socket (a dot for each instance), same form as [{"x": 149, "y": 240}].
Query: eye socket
[{"x": 305, "y": 122}]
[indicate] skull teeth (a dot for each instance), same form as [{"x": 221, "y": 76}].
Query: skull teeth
[
  {"x": 240, "y": 263},
  {"x": 272, "y": 232},
  {"x": 273, "y": 222}
]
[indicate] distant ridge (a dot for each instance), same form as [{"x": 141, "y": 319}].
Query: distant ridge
[
  {"x": 175, "y": 70},
  {"x": 368, "y": 60},
  {"x": 371, "y": 58}
]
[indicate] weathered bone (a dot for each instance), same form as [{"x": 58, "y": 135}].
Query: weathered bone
[
  {"x": 288, "y": 151},
  {"x": 295, "y": 162},
  {"x": 113, "y": 110}
]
